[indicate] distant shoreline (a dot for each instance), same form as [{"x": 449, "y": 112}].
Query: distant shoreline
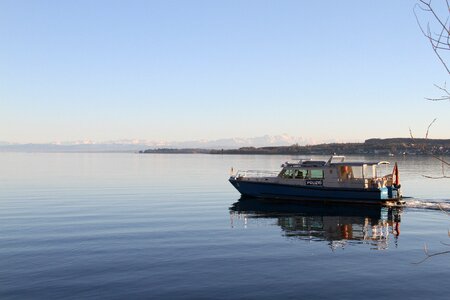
[{"x": 392, "y": 146}]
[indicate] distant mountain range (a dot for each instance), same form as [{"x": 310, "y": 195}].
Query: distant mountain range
[
  {"x": 137, "y": 145},
  {"x": 279, "y": 144}
]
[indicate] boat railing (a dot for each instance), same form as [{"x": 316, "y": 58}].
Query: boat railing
[{"x": 256, "y": 173}]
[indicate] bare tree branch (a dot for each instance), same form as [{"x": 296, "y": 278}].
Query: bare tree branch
[
  {"x": 446, "y": 95},
  {"x": 437, "y": 18},
  {"x": 422, "y": 146},
  {"x": 439, "y": 39},
  {"x": 428, "y": 255},
  {"x": 435, "y": 177}
]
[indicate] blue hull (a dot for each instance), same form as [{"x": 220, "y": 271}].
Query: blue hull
[{"x": 295, "y": 192}]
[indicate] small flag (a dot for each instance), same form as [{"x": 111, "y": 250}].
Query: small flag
[{"x": 395, "y": 176}]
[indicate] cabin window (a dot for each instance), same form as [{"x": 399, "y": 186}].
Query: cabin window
[
  {"x": 300, "y": 174},
  {"x": 348, "y": 172},
  {"x": 369, "y": 171},
  {"x": 345, "y": 172},
  {"x": 316, "y": 174},
  {"x": 358, "y": 172}
]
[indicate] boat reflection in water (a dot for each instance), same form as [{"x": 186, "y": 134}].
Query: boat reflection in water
[{"x": 340, "y": 225}]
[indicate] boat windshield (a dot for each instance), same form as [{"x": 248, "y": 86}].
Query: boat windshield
[{"x": 293, "y": 173}]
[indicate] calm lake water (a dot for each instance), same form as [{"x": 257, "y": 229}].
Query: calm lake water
[{"x": 155, "y": 226}]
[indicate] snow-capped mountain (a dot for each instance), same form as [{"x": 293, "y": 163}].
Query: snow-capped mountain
[
  {"x": 229, "y": 143},
  {"x": 127, "y": 145}
]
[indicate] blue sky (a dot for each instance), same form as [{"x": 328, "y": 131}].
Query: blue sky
[{"x": 186, "y": 70}]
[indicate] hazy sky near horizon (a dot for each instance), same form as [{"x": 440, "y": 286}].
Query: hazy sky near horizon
[{"x": 186, "y": 70}]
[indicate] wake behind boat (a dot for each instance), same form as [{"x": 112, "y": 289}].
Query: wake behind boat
[{"x": 334, "y": 180}]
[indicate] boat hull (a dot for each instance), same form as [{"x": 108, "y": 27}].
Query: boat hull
[{"x": 297, "y": 192}]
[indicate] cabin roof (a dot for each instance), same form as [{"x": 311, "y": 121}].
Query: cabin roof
[
  {"x": 360, "y": 163},
  {"x": 304, "y": 163}
]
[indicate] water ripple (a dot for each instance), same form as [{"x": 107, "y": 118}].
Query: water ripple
[{"x": 432, "y": 204}]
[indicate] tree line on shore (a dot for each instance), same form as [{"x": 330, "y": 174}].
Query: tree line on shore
[{"x": 394, "y": 146}]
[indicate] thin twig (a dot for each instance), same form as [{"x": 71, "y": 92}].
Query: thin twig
[
  {"x": 441, "y": 41},
  {"x": 435, "y": 177},
  {"x": 422, "y": 146},
  {"x": 428, "y": 129},
  {"x": 444, "y": 97},
  {"x": 430, "y": 9},
  {"x": 431, "y": 255},
  {"x": 441, "y": 160},
  {"x": 441, "y": 208}
]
